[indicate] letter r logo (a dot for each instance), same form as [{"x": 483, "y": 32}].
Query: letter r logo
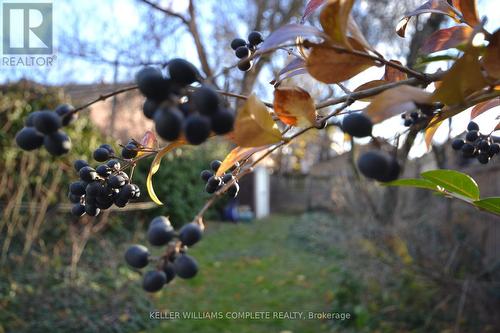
[{"x": 27, "y": 28}]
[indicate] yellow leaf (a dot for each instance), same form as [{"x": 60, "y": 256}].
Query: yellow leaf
[
  {"x": 236, "y": 155},
  {"x": 431, "y": 130},
  {"x": 254, "y": 125},
  {"x": 334, "y": 19},
  {"x": 462, "y": 79},
  {"x": 155, "y": 166},
  {"x": 491, "y": 59},
  {"x": 294, "y": 106},
  {"x": 395, "y": 101},
  {"x": 330, "y": 66}
]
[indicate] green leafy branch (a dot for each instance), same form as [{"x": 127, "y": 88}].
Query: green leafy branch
[{"x": 454, "y": 184}]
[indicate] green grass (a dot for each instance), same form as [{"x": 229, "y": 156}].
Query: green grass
[{"x": 260, "y": 266}]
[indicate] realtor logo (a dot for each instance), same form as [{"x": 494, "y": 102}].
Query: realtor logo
[{"x": 27, "y": 28}]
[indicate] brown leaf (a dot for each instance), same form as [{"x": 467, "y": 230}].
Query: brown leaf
[
  {"x": 447, "y": 38},
  {"x": 254, "y": 125},
  {"x": 294, "y": 106},
  {"x": 330, "y": 66},
  {"x": 395, "y": 101},
  {"x": 311, "y": 6},
  {"x": 484, "y": 106},
  {"x": 468, "y": 8},
  {"x": 236, "y": 155},
  {"x": 393, "y": 74},
  {"x": 491, "y": 59},
  {"x": 334, "y": 19},
  {"x": 462, "y": 79},
  {"x": 401, "y": 26},
  {"x": 431, "y": 6}
]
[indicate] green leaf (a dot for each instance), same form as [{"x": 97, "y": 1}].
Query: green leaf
[
  {"x": 491, "y": 205},
  {"x": 155, "y": 166},
  {"x": 454, "y": 182},
  {"x": 413, "y": 182}
]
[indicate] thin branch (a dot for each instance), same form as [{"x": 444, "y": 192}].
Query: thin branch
[
  {"x": 166, "y": 11},
  {"x": 100, "y": 99},
  {"x": 377, "y": 90}
]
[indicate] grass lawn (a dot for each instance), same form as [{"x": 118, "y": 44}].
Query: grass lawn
[{"x": 259, "y": 266}]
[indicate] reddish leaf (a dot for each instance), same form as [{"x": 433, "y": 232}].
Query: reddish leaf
[
  {"x": 431, "y": 6},
  {"x": 294, "y": 106},
  {"x": 491, "y": 59},
  {"x": 311, "y": 6},
  {"x": 393, "y": 74},
  {"x": 395, "y": 101},
  {"x": 236, "y": 155},
  {"x": 447, "y": 38},
  {"x": 484, "y": 106},
  {"x": 287, "y": 33},
  {"x": 149, "y": 139},
  {"x": 468, "y": 8}
]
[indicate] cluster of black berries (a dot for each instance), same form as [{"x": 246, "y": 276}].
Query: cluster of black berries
[
  {"x": 243, "y": 50},
  {"x": 177, "y": 108},
  {"x": 379, "y": 165},
  {"x": 214, "y": 183},
  {"x": 43, "y": 128},
  {"x": 413, "y": 118},
  {"x": 175, "y": 261},
  {"x": 98, "y": 189},
  {"x": 476, "y": 145}
]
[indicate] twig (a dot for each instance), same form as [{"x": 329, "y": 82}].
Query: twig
[
  {"x": 377, "y": 90},
  {"x": 167, "y": 11},
  {"x": 99, "y": 99}
]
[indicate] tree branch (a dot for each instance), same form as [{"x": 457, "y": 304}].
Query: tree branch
[{"x": 167, "y": 11}]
